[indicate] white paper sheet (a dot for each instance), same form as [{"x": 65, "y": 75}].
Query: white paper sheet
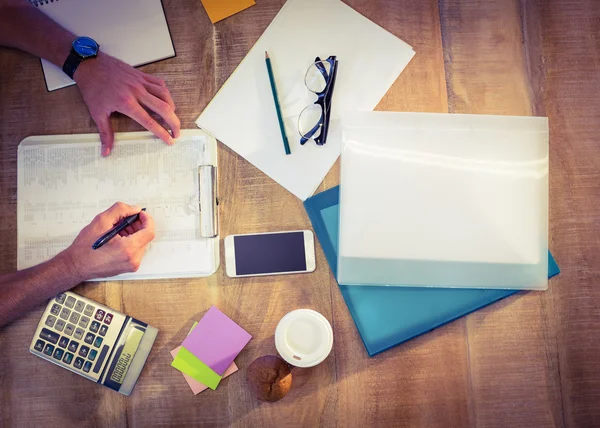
[
  {"x": 135, "y": 31},
  {"x": 444, "y": 200},
  {"x": 242, "y": 115},
  {"x": 63, "y": 185}
]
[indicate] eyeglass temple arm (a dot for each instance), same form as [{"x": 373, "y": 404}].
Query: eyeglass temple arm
[{"x": 322, "y": 139}]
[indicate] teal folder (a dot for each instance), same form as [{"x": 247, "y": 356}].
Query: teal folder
[{"x": 388, "y": 316}]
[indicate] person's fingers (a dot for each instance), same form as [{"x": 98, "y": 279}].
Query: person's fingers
[
  {"x": 164, "y": 110},
  {"x": 119, "y": 211},
  {"x": 129, "y": 230},
  {"x": 161, "y": 92},
  {"x": 122, "y": 234},
  {"x": 153, "y": 79},
  {"x": 145, "y": 234},
  {"x": 137, "y": 113},
  {"x": 107, "y": 136},
  {"x": 137, "y": 225}
]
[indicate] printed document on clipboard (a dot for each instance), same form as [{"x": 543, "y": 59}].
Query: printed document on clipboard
[{"x": 63, "y": 182}]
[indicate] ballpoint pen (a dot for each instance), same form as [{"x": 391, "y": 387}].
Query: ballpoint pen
[{"x": 127, "y": 221}]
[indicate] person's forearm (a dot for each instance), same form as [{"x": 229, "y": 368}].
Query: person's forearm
[
  {"x": 24, "y": 27},
  {"x": 23, "y": 290}
]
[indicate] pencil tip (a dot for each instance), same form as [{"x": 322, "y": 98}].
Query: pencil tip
[{"x": 266, "y": 55}]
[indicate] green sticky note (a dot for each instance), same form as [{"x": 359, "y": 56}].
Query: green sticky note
[{"x": 187, "y": 363}]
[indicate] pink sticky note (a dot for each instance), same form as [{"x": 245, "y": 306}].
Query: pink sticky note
[
  {"x": 196, "y": 386},
  {"x": 216, "y": 340}
]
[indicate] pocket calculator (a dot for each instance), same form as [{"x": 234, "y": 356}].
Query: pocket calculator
[{"x": 94, "y": 341}]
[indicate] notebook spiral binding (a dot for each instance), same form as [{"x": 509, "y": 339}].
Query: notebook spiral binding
[{"x": 38, "y": 3}]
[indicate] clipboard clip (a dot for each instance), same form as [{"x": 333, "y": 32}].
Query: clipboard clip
[{"x": 207, "y": 201}]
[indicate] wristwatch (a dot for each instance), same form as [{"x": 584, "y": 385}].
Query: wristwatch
[{"x": 82, "y": 48}]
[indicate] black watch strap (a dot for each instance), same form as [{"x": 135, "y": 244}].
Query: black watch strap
[{"x": 71, "y": 63}]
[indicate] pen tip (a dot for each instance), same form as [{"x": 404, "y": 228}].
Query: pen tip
[
  {"x": 143, "y": 209},
  {"x": 266, "y": 55}
]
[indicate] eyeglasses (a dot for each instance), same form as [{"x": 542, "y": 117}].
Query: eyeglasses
[{"x": 313, "y": 121}]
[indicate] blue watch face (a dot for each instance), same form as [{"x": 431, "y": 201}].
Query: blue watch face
[{"x": 85, "y": 47}]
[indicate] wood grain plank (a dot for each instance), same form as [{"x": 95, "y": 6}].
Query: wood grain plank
[
  {"x": 512, "y": 345},
  {"x": 562, "y": 41}
]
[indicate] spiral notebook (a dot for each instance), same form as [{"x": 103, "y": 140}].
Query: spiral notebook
[
  {"x": 135, "y": 31},
  {"x": 388, "y": 316}
]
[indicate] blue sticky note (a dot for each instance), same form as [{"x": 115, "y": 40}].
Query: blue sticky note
[{"x": 388, "y": 316}]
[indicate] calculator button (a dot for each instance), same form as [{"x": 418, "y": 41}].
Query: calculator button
[
  {"x": 94, "y": 326},
  {"x": 49, "y": 349},
  {"x": 39, "y": 345},
  {"x": 78, "y": 333},
  {"x": 64, "y": 342},
  {"x": 83, "y": 322},
  {"x": 58, "y": 354},
  {"x": 50, "y": 321},
  {"x": 78, "y": 363},
  {"x": 74, "y": 318},
  {"x": 108, "y": 319},
  {"x": 98, "y": 342},
  {"x": 79, "y": 305},
  {"x": 89, "y": 310},
  {"x": 83, "y": 351},
  {"x": 65, "y": 313},
  {"x": 55, "y": 310},
  {"x": 73, "y": 346},
  {"x": 70, "y": 302},
  {"x": 50, "y": 336},
  {"x": 103, "y": 330},
  {"x": 69, "y": 329},
  {"x": 101, "y": 358},
  {"x": 92, "y": 354},
  {"x": 89, "y": 338},
  {"x": 61, "y": 298},
  {"x": 68, "y": 358},
  {"x": 99, "y": 314},
  {"x": 60, "y": 325},
  {"x": 87, "y": 366}
]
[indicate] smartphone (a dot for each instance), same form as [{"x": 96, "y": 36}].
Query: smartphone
[{"x": 275, "y": 253}]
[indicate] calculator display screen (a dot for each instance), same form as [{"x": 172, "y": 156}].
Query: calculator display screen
[
  {"x": 123, "y": 358},
  {"x": 269, "y": 253}
]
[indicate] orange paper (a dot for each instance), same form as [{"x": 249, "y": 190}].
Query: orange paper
[{"x": 221, "y": 9}]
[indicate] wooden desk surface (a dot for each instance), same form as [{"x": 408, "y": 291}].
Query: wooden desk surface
[{"x": 530, "y": 360}]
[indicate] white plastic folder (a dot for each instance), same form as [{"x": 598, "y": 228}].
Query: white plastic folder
[
  {"x": 444, "y": 200},
  {"x": 242, "y": 115}
]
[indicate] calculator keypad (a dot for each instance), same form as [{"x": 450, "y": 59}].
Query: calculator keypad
[
  {"x": 50, "y": 321},
  {"x": 64, "y": 342},
  {"x": 70, "y": 302},
  {"x": 74, "y": 332},
  {"x": 78, "y": 333},
  {"x": 83, "y": 322},
  {"x": 73, "y": 346},
  {"x": 79, "y": 305},
  {"x": 74, "y": 318}
]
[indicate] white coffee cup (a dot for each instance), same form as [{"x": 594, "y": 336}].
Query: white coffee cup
[{"x": 304, "y": 338}]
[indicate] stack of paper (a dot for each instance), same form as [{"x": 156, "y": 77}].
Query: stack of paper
[
  {"x": 242, "y": 115},
  {"x": 206, "y": 355}
]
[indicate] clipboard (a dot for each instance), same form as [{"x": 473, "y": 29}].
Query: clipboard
[{"x": 63, "y": 182}]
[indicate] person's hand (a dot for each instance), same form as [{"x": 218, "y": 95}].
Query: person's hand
[
  {"x": 121, "y": 254},
  {"x": 109, "y": 85}
]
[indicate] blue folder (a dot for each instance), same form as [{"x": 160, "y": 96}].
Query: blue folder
[{"x": 388, "y": 316}]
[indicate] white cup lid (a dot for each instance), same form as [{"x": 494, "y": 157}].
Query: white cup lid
[{"x": 304, "y": 338}]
